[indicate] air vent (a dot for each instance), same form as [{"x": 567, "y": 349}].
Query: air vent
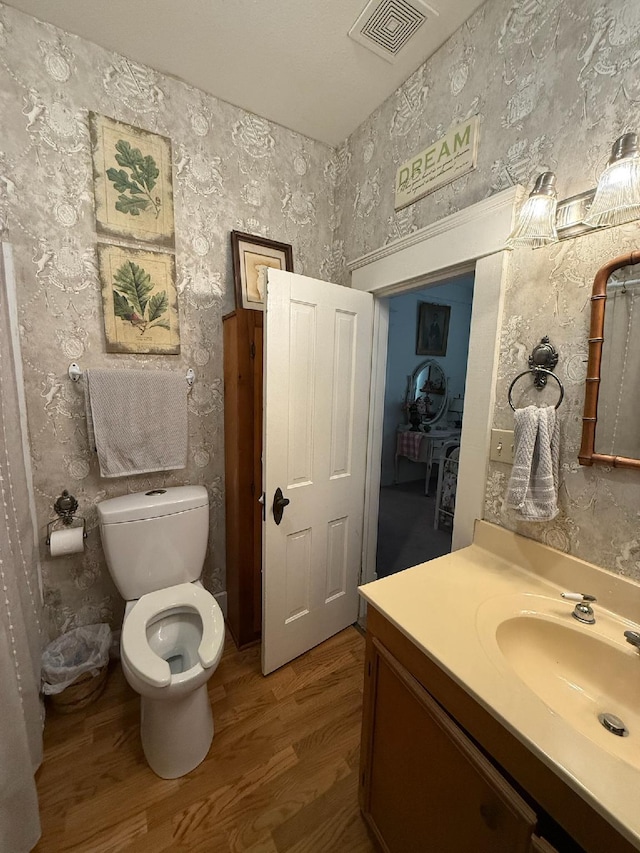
[{"x": 385, "y": 26}]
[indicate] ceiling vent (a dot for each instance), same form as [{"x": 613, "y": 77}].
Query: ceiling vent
[{"x": 385, "y": 26}]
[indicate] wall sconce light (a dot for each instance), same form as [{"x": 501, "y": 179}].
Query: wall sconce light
[
  {"x": 617, "y": 198},
  {"x": 544, "y": 220},
  {"x": 536, "y": 225}
]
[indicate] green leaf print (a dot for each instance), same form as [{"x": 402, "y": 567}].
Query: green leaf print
[
  {"x": 158, "y": 304},
  {"x": 132, "y": 301},
  {"x": 143, "y": 176},
  {"x": 125, "y": 204},
  {"x": 134, "y": 283}
]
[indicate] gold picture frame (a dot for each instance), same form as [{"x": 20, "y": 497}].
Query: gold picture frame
[
  {"x": 132, "y": 181},
  {"x": 252, "y": 255},
  {"x": 139, "y": 300}
]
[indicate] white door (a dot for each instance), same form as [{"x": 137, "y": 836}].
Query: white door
[{"x": 317, "y": 372}]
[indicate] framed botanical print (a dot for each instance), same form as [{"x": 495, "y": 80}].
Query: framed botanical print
[
  {"x": 433, "y": 328},
  {"x": 252, "y": 257},
  {"x": 132, "y": 180},
  {"x": 139, "y": 300}
]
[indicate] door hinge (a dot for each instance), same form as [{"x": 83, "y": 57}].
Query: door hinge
[{"x": 252, "y": 350}]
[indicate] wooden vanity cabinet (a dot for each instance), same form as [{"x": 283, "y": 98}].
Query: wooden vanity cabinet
[
  {"x": 242, "y": 335},
  {"x": 439, "y": 773}
]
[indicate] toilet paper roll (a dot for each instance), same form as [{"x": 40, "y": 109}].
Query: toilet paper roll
[{"x": 69, "y": 540}]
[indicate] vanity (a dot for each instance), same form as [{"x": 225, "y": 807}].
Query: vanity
[{"x": 482, "y": 698}]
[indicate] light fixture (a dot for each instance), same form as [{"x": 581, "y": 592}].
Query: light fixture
[
  {"x": 617, "y": 198},
  {"x": 536, "y": 225},
  {"x": 543, "y": 219}
]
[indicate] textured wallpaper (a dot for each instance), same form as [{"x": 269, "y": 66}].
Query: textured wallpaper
[
  {"x": 555, "y": 82},
  {"x": 231, "y": 170}
]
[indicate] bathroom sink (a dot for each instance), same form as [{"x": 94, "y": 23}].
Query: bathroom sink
[{"x": 579, "y": 671}]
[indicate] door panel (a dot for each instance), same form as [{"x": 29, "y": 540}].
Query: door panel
[{"x": 316, "y": 401}]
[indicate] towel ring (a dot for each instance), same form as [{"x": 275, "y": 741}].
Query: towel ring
[{"x": 536, "y": 371}]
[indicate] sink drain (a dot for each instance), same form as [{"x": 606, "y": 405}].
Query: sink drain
[{"x": 614, "y": 725}]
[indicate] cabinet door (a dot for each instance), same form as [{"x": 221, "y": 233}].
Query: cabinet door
[{"x": 426, "y": 786}]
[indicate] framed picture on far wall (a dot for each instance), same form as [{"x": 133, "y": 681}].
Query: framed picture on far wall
[
  {"x": 252, "y": 257},
  {"x": 433, "y": 328}
]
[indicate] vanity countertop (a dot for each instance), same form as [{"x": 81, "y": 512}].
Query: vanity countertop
[{"x": 441, "y": 607}]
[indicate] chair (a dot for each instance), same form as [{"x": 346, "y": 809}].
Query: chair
[{"x": 447, "y": 483}]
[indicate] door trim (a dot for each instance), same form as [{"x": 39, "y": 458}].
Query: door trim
[{"x": 472, "y": 239}]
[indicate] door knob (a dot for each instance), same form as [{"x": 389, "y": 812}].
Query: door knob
[{"x": 279, "y": 503}]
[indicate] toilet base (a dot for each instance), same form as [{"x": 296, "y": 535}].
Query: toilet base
[{"x": 176, "y": 733}]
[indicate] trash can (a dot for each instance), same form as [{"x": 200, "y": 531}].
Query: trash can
[{"x": 74, "y": 667}]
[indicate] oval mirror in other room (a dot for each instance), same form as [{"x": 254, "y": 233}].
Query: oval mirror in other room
[
  {"x": 611, "y": 422},
  {"x": 427, "y": 389}
]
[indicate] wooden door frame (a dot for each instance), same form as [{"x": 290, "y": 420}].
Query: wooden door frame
[{"x": 471, "y": 240}]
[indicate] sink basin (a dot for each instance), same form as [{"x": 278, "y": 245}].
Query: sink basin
[{"x": 578, "y": 671}]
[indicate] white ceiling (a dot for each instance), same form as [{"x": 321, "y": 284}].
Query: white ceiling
[{"x": 290, "y": 61}]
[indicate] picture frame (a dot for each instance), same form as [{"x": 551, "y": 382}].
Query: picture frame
[
  {"x": 432, "y": 328},
  {"x": 132, "y": 182},
  {"x": 139, "y": 300},
  {"x": 251, "y": 256}
]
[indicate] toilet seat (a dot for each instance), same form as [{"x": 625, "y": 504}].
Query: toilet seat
[{"x": 135, "y": 648}]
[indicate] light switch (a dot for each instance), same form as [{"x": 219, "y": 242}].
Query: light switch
[{"x": 502, "y": 449}]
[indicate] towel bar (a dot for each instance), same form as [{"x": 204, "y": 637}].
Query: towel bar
[{"x": 75, "y": 373}]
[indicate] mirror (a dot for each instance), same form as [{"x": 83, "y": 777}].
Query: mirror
[
  {"x": 426, "y": 397},
  {"x": 611, "y": 422}
]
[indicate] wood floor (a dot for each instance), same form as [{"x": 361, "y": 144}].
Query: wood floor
[{"x": 281, "y": 775}]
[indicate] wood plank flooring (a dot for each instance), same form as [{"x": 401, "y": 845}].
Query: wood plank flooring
[{"x": 281, "y": 775}]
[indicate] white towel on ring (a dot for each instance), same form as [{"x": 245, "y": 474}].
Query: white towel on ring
[{"x": 533, "y": 487}]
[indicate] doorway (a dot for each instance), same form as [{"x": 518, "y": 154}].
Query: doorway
[{"x": 427, "y": 351}]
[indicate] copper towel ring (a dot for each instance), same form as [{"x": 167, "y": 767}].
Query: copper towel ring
[{"x": 537, "y": 371}]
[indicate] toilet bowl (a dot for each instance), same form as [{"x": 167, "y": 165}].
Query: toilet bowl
[
  {"x": 173, "y": 629},
  {"x": 171, "y": 644}
]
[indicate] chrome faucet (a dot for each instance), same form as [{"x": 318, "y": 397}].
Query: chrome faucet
[
  {"x": 633, "y": 637},
  {"x": 583, "y": 611}
]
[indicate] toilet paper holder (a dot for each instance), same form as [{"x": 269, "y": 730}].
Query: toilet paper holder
[{"x": 65, "y": 508}]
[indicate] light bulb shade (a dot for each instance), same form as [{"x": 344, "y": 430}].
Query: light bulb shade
[
  {"x": 536, "y": 225},
  {"x": 617, "y": 198}
]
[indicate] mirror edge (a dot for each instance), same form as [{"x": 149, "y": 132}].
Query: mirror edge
[{"x": 588, "y": 455}]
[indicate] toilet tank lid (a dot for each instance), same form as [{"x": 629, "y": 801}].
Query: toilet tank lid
[{"x": 152, "y": 504}]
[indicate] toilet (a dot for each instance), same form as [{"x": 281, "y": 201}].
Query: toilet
[{"x": 173, "y": 629}]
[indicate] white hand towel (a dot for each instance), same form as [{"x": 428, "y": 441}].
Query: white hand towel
[
  {"x": 533, "y": 487},
  {"x": 137, "y": 420}
]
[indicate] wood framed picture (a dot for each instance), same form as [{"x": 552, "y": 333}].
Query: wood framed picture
[
  {"x": 132, "y": 182},
  {"x": 252, "y": 257},
  {"x": 433, "y": 328},
  {"x": 139, "y": 299}
]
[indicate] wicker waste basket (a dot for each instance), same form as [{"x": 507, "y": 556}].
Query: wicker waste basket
[
  {"x": 74, "y": 667},
  {"x": 80, "y": 693}
]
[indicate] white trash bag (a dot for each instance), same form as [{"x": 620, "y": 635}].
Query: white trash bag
[{"x": 78, "y": 651}]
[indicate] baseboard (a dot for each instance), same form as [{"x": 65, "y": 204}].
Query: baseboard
[{"x": 221, "y": 598}]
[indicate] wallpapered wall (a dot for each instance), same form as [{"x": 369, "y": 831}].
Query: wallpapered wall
[
  {"x": 555, "y": 82},
  {"x": 231, "y": 170}
]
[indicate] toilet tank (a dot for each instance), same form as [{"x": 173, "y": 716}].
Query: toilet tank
[{"x": 155, "y": 539}]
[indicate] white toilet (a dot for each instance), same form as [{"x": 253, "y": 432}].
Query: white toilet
[{"x": 173, "y": 630}]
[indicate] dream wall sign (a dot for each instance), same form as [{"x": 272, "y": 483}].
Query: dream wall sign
[{"x": 441, "y": 163}]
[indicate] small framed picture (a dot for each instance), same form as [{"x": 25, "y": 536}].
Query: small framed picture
[
  {"x": 252, "y": 257},
  {"x": 433, "y": 328}
]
